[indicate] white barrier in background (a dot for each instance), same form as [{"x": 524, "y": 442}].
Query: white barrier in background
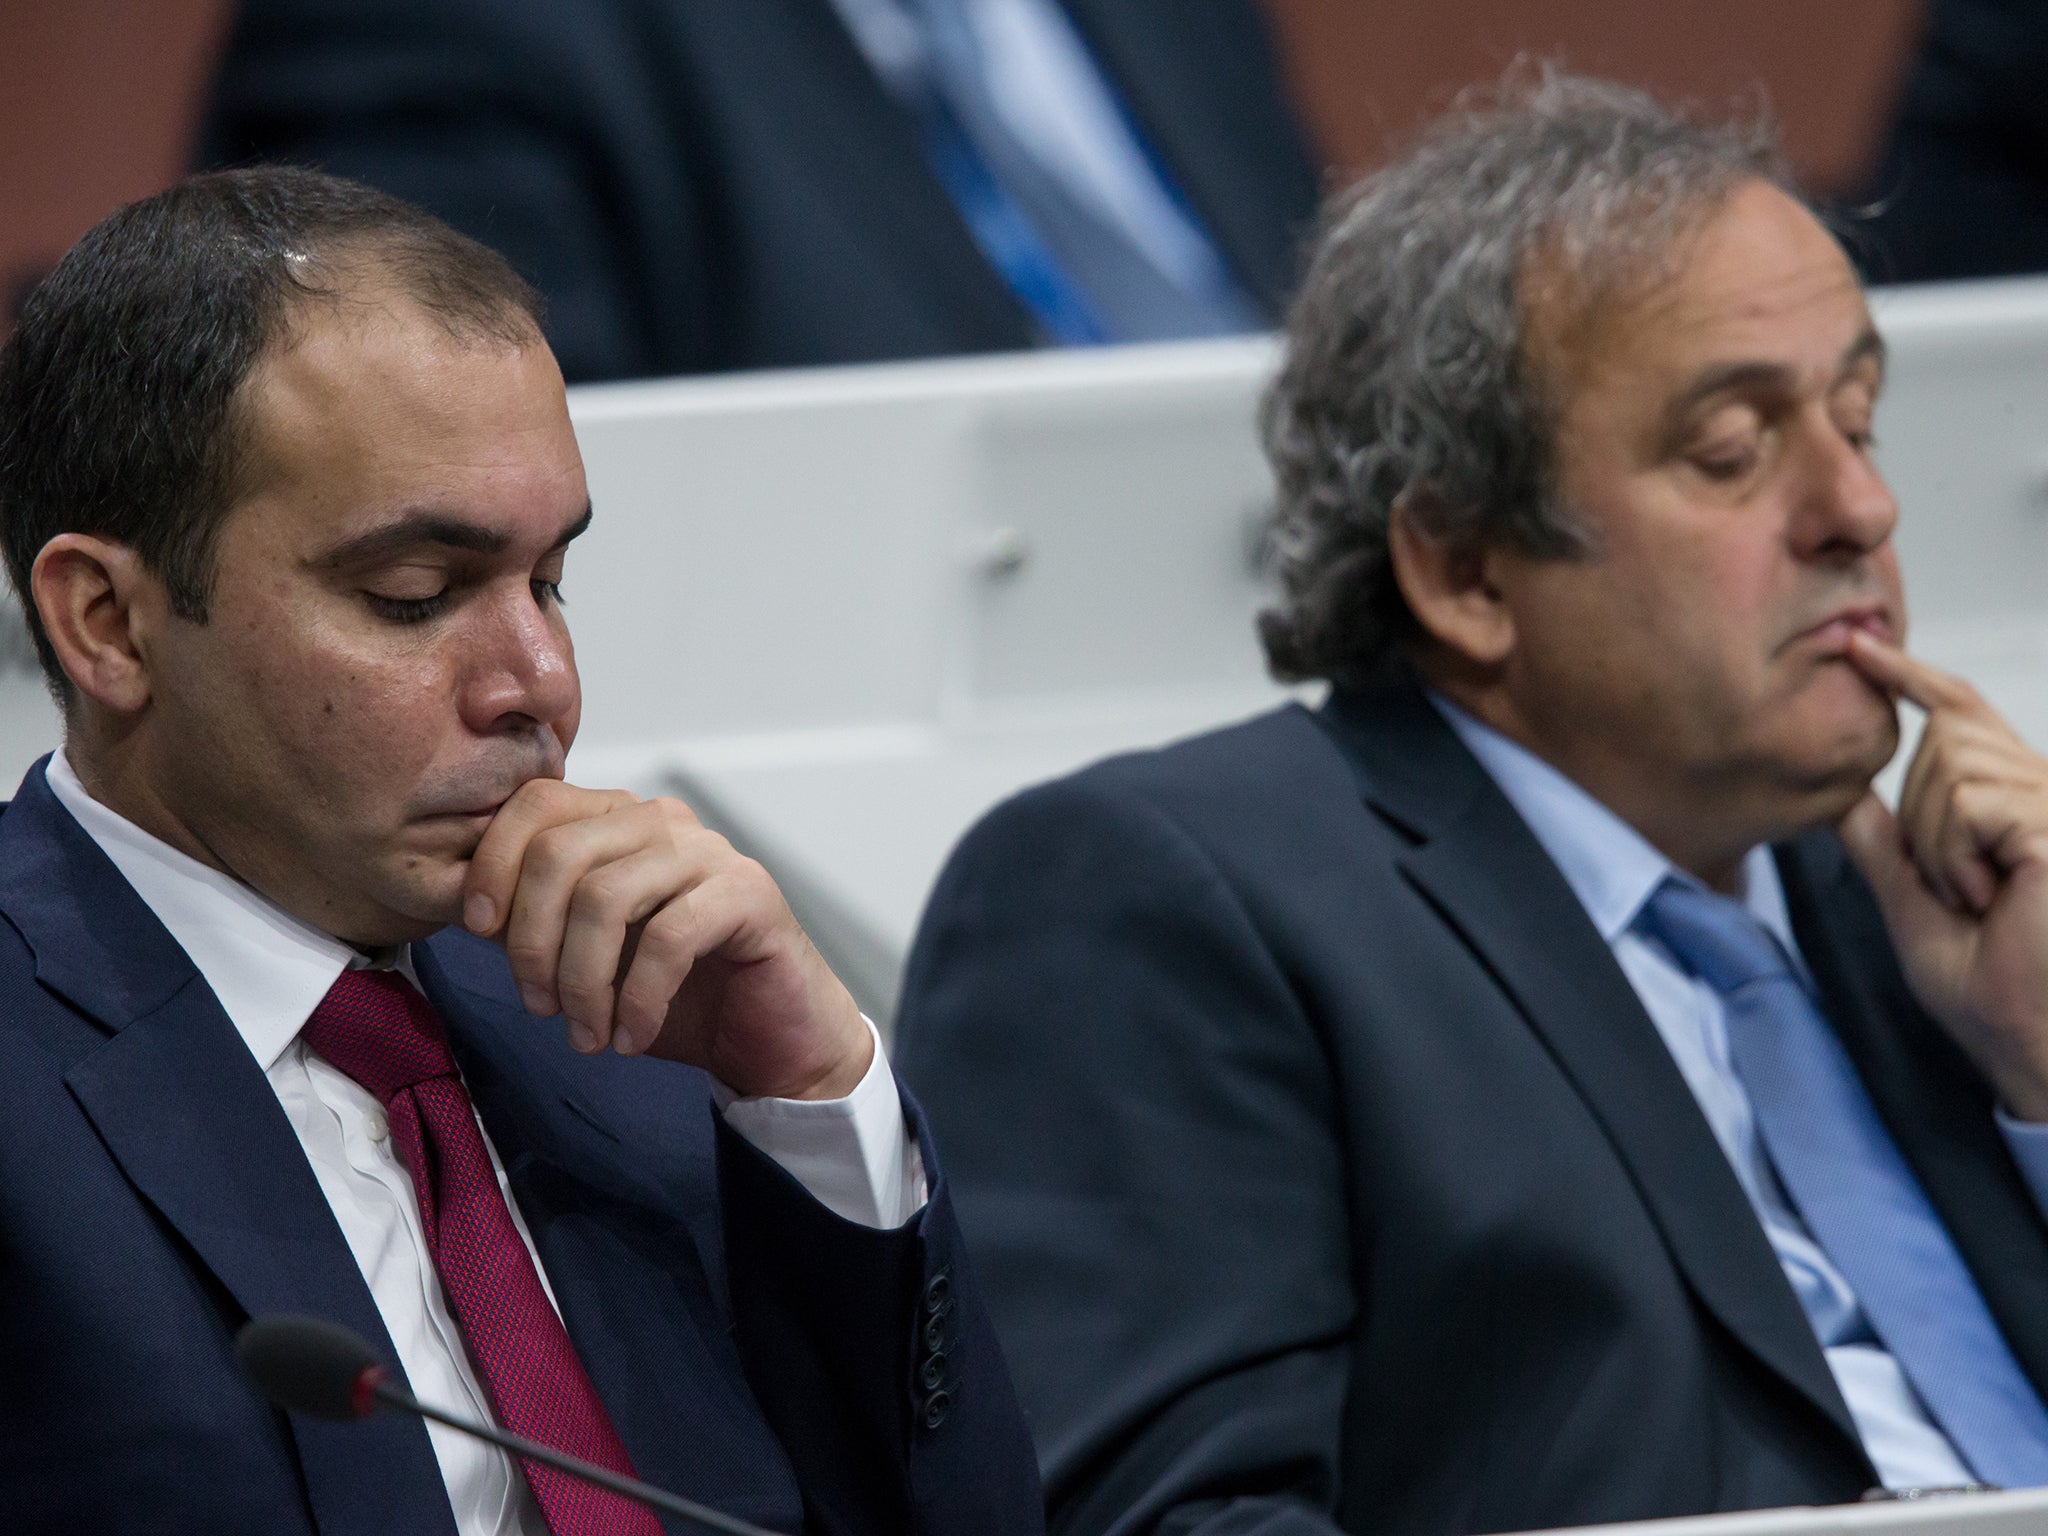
[
  {"x": 856, "y": 607},
  {"x": 845, "y": 611},
  {"x": 866, "y": 604}
]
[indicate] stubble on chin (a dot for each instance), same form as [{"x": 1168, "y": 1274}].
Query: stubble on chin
[
  {"x": 1841, "y": 782},
  {"x": 421, "y": 894}
]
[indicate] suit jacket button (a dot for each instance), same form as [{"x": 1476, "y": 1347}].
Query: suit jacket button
[
  {"x": 935, "y": 1333},
  {"x": 936, "y": 1407},
  {"x": 938, "y": 1291},
  {"x": 934, "y": 1373}
]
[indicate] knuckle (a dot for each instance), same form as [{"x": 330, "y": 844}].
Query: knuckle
[
  {"x": 584, "y": 993},
  {"x": 674, "y": 811},
  {"x": 667, "y": 933},
  {"x": 529, "y": 959},
  {"x": 636, "y": 1013},
  {"x": 552, "y": 851},
  {"x": 538, "y": 799},
  {"x": 600, "y": 894},
  {"x": 761, "y": 884}
]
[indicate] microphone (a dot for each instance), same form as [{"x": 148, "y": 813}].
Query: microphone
[{"x": 309, "y": 1365}]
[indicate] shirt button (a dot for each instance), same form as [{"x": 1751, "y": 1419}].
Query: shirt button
[{"x": 375, "y": 1126}]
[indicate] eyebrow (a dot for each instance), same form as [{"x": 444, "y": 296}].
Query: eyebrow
[
  {"x": 1867, "y": 347},
  {"x": 425, "y": 526}
]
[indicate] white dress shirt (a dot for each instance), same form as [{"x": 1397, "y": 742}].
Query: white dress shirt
[
  {"x": 1614, "y": 871},
  {"x": 269, "y": 971}
]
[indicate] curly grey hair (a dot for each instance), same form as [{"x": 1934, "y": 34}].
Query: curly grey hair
[{"x": 1407, "y": 373}]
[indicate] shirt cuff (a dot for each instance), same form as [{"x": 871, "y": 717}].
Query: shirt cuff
[
  {"x": 854, "y": 1155},
  {"x": 2028, "y": 1144}
]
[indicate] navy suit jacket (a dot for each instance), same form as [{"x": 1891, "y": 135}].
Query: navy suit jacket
[
  {"x": 756, "y": 1352},
  {"x": 1962, "y": 188},
  {"x": 1324, "y": 1171},
  {"x": 699, "y": 185}
]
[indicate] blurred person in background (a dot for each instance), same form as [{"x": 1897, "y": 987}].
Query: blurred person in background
[
  {"x": 1962, "y": 187},
  {"x": 697, "y": 185},
  {"x": 1542, "y": 1085}
]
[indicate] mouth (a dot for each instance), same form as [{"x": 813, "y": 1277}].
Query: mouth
[
  {"x": 455, "y": 830},
  {"x": 464, "y": 800},
  {"x": 466, "y": 813},
  {"x": 1830, "y": 637}
]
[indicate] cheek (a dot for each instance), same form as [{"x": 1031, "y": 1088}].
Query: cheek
[
  {"x": 1710, "y": 603},
  {"x": 353, "y": 730}
]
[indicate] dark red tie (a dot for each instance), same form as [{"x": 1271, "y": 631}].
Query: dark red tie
[{"x": 376, "y": 1027}]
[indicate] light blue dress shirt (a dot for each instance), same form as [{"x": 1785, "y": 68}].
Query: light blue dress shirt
[{"x": 1613, "y": 871}]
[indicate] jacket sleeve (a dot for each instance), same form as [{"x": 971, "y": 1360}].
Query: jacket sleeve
[
  {"x": 871, "y": 1355},
  {"x": 1139, "y": 1123}
]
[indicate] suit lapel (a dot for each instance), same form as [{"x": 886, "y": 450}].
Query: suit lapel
[
  {"x": 857, "y": 153},
  {"x": 1477, "y": 862},
  {"x": 1937, "y": 1107},
  {"x": 1204, "y": 90},
  {"x": 192, "y": 1122}
]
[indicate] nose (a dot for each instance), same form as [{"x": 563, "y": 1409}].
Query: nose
[
  {"x": 522, "y": 670},
  {"x": 1846, "y": 509}
]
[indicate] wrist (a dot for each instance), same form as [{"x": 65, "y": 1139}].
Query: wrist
[
  {"x": 832, "y": 1068},
  {"x": 844, "y": 1074}
]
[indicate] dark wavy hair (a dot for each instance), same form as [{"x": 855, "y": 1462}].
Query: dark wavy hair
[
  {"x": 1406, "y": 372},
  {"x": 120, "y": 410}
]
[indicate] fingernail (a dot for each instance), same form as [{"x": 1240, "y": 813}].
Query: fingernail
[
  {"x": 536, "y": 1000},
  {"x": 583, "y": 1038},
  {"x": 480, "y": 914}
]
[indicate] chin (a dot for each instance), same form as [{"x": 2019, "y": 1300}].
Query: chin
[
  {"x": 1841, "y": 777},
  {"x": 422, "y": 899}
]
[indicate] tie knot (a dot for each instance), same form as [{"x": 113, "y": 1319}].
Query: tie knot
[
  {"x": 376, "y": 1027},
  {"x": 1714, "y": 937}
]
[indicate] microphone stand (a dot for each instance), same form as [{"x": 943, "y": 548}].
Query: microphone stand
[{"x": 393, "y": 1396}]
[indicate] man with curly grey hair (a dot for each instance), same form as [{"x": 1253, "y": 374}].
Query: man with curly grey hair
[{"x": 1541, "y": 1085}]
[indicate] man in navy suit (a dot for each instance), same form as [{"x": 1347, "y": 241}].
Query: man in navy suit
[
  {"x": 1541, "y": 1085},
  {"x": 324, "y": 993},
  {"x": 699, "y": 185}
]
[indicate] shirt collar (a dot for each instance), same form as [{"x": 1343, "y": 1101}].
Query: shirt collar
[
  {"x": 268, "y": 969},
  {"x": 1609, "y": 865}
]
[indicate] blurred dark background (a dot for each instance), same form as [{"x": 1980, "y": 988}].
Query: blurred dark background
[{"x": 99, "y": 99}]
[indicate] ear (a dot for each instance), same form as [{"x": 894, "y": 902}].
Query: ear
[
  {"x": 96, "y": 602},
  {"x": 1450, "y": 589}
]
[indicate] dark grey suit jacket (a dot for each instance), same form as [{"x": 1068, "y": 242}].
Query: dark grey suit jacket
[
  {"x": 1325, "y": 1171},
  {"x": 699, "y": 185}
]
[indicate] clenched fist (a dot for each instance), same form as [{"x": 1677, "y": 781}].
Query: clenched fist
[{"x": 649, "y": 932}]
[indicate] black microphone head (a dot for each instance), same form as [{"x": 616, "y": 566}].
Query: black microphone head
[{"x": 309, "y": 1365}]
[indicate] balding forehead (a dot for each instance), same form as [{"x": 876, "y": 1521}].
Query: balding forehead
[{"x": 1759, "y": 256}]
